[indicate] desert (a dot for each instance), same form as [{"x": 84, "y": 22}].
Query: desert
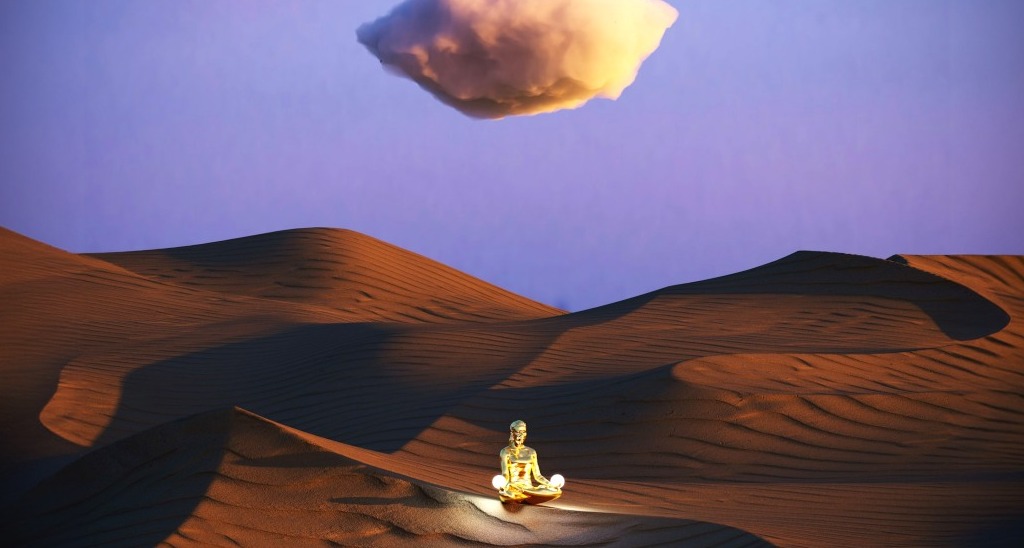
[
  {"x": 322, "y": 387},
  {"x": 511, "y": 273}
]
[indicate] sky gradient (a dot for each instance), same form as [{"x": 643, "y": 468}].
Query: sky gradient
[{"x": 757, "y": 129}]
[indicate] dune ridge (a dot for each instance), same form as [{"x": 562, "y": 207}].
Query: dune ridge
[
  {"x": 882, "y": 401},
  {"x": 343, "y": 269}
]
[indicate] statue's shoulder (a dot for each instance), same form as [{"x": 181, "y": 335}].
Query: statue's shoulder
[{"x": 503, "y": 452}]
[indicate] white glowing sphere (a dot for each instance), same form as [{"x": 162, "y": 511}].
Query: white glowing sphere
[
  {"x": 498, "y": 481},
  {"x": 557, "y": 480}
]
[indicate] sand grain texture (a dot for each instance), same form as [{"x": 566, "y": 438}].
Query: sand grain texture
[{"x": 318, "y": 386}]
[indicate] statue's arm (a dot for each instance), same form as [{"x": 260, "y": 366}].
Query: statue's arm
[
  {"x": 503, "y": 455},
  {"x": 536, "y": 470}
]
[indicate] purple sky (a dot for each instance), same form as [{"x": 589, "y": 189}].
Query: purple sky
[{"x": 757, "y": 129}]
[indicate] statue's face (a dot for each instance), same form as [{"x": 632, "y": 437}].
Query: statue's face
[{"x": 519, "y": 436}]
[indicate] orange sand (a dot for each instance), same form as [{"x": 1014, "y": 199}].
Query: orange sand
[{"x": 318, "y": 386}]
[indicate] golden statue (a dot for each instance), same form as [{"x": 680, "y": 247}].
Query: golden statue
[{"x": 520, "y": 479}]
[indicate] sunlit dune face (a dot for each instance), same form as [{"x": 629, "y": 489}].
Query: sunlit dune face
[{"x": 77, "y": 411}]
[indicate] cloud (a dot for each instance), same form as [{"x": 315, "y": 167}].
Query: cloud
[{"x": 497, "y": 58}]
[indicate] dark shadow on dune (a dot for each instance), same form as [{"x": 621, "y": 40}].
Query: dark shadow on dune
[
  {"x": 18, "y": 478},
  {"x": 132, "y": 493},
  {"x": 960, "y": 312},
  {"x": 345, "y": 382},
  {"x": 1006, "y": 531}
]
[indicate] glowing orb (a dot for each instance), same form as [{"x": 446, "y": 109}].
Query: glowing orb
[
  {"x": 557, "y": 480},
  {"x": 499, "y": 481}
]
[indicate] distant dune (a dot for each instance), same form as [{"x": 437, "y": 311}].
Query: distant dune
[
  {"x": 319, "y": 386},
  {"x": 371, "y": 280}
]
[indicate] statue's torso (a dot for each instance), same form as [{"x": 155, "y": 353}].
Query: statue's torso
[{"x": 520, "y": 464}]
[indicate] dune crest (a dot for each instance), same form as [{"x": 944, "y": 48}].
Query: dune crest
[
  {"x": 881, "y": 401},
  {"x": 373, "y": 280}
]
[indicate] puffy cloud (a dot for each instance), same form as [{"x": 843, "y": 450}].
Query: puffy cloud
[{"x": 497, "y": 58}]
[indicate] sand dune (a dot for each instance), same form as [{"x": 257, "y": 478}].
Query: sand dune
[
  {"x": 372, "y": 280},
  {"x": 238, "y": 477},
  {"x": 822, "y": 399}
]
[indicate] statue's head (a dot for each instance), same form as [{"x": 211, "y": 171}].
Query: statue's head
[{"x": 517, "y": 433}]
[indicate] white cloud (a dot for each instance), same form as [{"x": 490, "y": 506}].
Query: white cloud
[{"x": 497, "y": 58}]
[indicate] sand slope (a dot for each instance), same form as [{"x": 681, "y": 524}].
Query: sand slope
[
  {"x": 342, "y": 269},
  {"x": 823, "y": 399},
  {"x": 231, "y": 477}
]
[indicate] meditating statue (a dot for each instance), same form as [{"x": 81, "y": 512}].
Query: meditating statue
[{"x": 520, "y": 479}]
